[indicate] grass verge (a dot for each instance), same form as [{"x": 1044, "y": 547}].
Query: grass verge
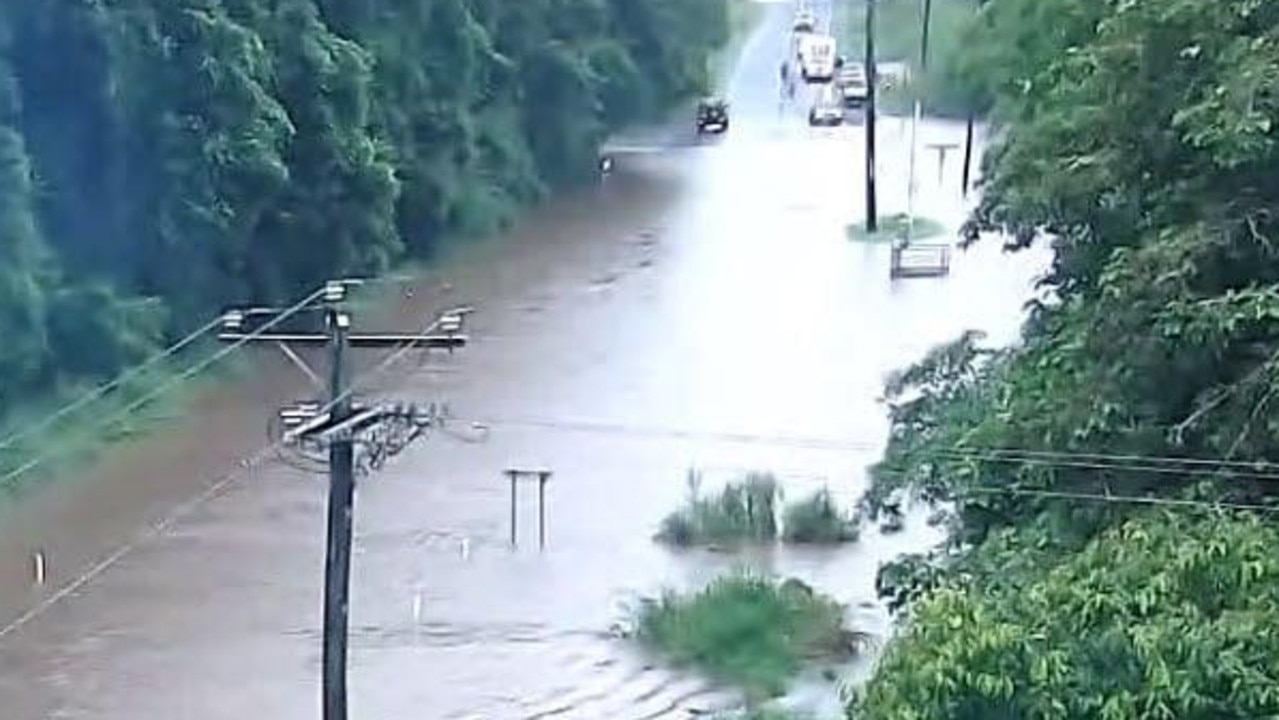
[
  {"x": 147, "y": 398},
  {"x": 894, "y": 226},
  {"x": 746, "y": 629}
]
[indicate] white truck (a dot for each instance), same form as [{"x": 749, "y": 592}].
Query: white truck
[{"x": 816, "y": 55}]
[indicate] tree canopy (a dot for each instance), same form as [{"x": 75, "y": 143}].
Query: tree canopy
[
  {"x": 1134, "y": 136},
  {"x": 160, "y": 159},
  {"x": 1168, "y": 617}
]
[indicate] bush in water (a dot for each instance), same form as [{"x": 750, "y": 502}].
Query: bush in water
[
  {"x": 742, "y": 512},
  {"x": 746, "y": 629},
  {"x": 817, "y": 520}
]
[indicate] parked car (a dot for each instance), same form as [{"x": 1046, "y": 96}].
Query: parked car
[
  {"x": 827, "y": 109},
  {"x": 853, "y": 87},
  {"x": 712, "y": 116},
  {"x": 805, "y": 22}
]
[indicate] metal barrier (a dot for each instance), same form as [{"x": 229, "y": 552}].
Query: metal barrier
[{"x": 912, "y": 260}]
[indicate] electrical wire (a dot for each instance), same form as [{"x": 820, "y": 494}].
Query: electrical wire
[
  {"x": 35, "y": 462},
  {"x": 1049, "y": 459},
  {"x": 107, "y": 387},
  {"x": 1065, "y": 462},
  {"x": 1119, "y": 499},
  {"x": 1119, "y": 458},
  {"x": 137, "y": 370},
  {"x": 213, "y": 491}
]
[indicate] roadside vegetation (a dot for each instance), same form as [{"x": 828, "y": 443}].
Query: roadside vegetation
[
  {"x": 945, "y": 87},
  {"x": 744, "y": 511},
  {"x": 743, "y": 16},
  {"x": 747, "y": 512},
  {"x": 746, "y": 629},
  {"x": 166, "y": 158},
  {"x": 61, "y": 433},
  {"x": 895, "y": 226},
  {"x": 817, "y": 520},
  {"x": 1142, "y": 135}
]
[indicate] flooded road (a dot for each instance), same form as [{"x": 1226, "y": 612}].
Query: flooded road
[{"x": 702, "y": 308}]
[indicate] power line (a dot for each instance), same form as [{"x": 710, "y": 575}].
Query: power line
[
  {"x": 9, "y": 477},
  {"x": 1065, "y": 462},
  {"x": 1117, "y": 499},
  {"x": 221, "y": 485},
  {"x": 107, "y": 387},
  {"x": 1110, "y": 457},
  {"x": 1052, "y": 459},
  {"x": 135, "y": 371}
]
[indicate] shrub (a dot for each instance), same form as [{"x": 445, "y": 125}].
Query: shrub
[
  {"x": 817, "y": 520},
  {"x": 746, "y": 629},
  {"x": 744, "y": 511}
]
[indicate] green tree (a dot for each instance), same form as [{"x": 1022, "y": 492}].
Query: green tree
[
  {"x": 160, "y": 159},
  {"x": 1136, "y": 138},
  {"x": 1169, "y": 616}
]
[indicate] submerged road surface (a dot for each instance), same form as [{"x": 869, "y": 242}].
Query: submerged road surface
[{"x": 703, "y": 308}]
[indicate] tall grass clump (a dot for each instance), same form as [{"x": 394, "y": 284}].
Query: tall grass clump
[
  {"x": 744, "y": 511},
  {"x": 746, "y": 629},
  {"x": 817, "y": 520}
]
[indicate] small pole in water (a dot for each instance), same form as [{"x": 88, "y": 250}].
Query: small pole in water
[
  {"x": 38, "y": 567},
  {"x": 513, "y": 475},
  {"x": 542, "y": 477},
  {"x": 417, "y": 608},
  {"x": 910, "y": 181}
]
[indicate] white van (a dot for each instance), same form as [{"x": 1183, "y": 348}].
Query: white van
[{"x": 817, "y": 58}]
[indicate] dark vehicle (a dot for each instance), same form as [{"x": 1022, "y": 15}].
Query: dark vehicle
[{"x": 712, "y": 116}]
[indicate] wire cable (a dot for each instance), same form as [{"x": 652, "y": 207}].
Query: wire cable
[
  {"x": 13, "y": 475},
  {"x": 107, "y": 387},
  {"x": 213, "y": 491},
  {"x": 1050, "y": 459},
  {"x": 137, "y": 370},
  {"x": 1065, "y": 462},
  {"x": 1119, "y": 499}
]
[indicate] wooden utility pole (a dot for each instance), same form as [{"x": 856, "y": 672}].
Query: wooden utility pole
[
  {"x": 968, "y": 132},
  {"x": 872, "y": 82},
  {"x": 968, "y": 153},
  {"x": 336, "y": 425},
  {"x": 341, "y": 507},
  {"x": 923, "y": 36}
]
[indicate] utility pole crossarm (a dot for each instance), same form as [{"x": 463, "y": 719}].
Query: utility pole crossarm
[
  {"x": 339, "y": 425},
  {"x": 355, "y": 340}
]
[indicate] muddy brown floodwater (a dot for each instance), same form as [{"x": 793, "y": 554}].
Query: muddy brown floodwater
[{"x": 701, "y": 308}]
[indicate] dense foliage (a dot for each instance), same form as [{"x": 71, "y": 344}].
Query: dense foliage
[
  {"x": 1165, "y": 617},
  {"x": 162, "y": 158},
  {"x": 1137, "y": 137},
  {"x": 747, "y": 629}
]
